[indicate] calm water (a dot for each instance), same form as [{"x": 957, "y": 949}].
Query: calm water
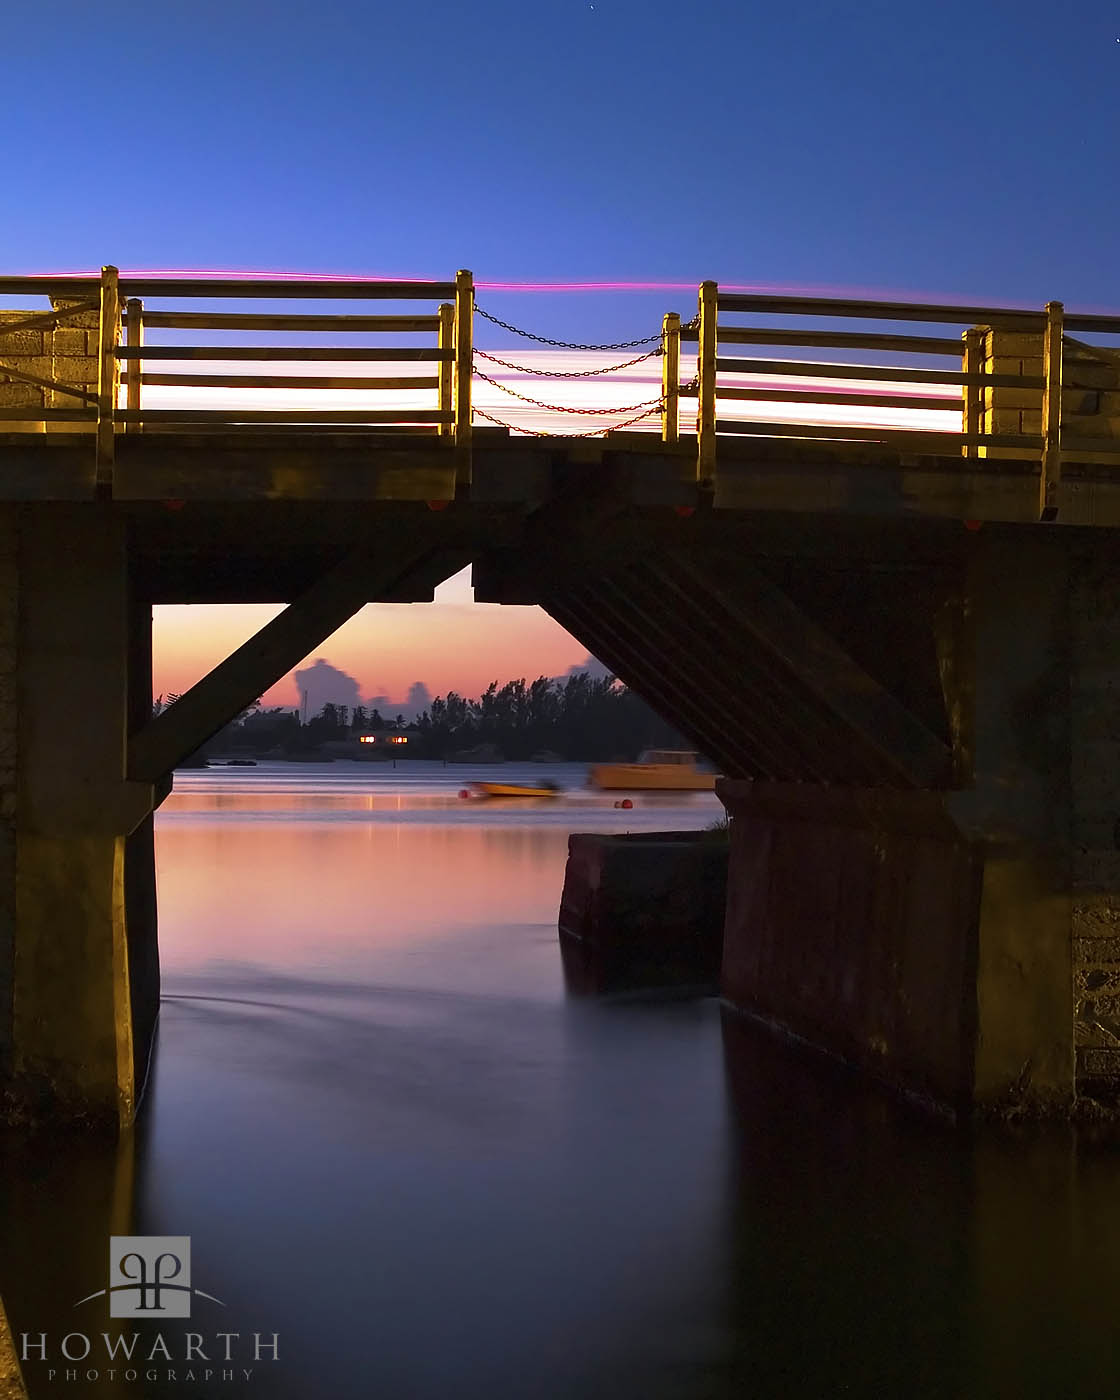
[{"x": 395, "y": 1140}]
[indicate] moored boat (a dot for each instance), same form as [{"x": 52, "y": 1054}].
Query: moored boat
[
  {"x": 531, "y": 789},
  {"x": 657, "y": 770}
]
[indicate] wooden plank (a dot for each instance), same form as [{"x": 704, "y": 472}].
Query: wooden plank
[
  {"x": 839, "y": 340},
  {"x": 315, "y": 432},
  {"x": 240, "y": 321},
  {"x": 446, "y": 382},
  {"x": 707, "y": 367},
  {"x": 1051, "y": 475},
  {"x": 1103, "y": 325},
  {"x": 281, "y": 381},
  {"x": 281, "y": 289},
  {"x": 22, "y": 376},
  {"x": 233, "y": 417},
  {"x": 888, "y": 374},
  {"x": 52, "y": 287},
  {"x": 297, "y": 353},
  {"x": 464, "y": 370},
  {"x": 134, "y": 337},
  {"x": 973, "y": 415},
  {"x": 881, "y": 310},
  {"x": 808, "y": 395},
  {"x": 48, "y": 415},
  {"x": 108, "y": 375},
  {"x": 256, "y": 666},
  {"x": 671, "y": 377},
  {"x": 946, "y": 443}
]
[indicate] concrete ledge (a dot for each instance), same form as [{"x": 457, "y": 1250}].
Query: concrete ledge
[{"x": 643, "y": 910}]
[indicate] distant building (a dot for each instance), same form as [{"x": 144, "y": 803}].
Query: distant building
[
  {"x": 375, "y": 744},
  {"x": 387, "y": 736}
]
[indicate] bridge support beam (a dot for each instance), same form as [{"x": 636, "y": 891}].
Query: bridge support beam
[
  {"x": 962, "y": 945},
  {"x": 71, "y": 862}
]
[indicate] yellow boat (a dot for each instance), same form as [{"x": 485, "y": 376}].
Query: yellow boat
[
  {"x": 542, "y": 789},
  {"x": 657, "y": 770}
]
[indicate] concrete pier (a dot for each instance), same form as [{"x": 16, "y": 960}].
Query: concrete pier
[
  {"x": 962, "y": 944},
  {"x": 69, "y": 812}
]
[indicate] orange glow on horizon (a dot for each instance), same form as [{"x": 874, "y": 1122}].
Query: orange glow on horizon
[{"x": 451, "y": 644}]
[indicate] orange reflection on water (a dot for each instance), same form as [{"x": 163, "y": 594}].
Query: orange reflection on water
[{"x": 297, "y": 894}]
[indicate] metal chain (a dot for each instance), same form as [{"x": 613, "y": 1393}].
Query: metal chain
[
  {"x": 571, "y": 373},
  {"x": 566, "y": 408},
  {"x": 538, "y": 432},
  {"x": 567, "y": 344}
]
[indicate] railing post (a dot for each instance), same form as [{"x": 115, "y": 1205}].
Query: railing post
[
  {"x": 1051, "y": 474},
  {"x": 464, "y": 358},
  {"x": 446, "y": 366},
  {"x": 973, "y": 390},
  {"x": 133, "y": 336},
  {"x": 671, "y": 378},
  {"x": 108, "y": 373},
  {"x": 706, "y": 370}
]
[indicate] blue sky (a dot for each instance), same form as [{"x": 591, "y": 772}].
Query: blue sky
[{"x": 953, "y": 149}]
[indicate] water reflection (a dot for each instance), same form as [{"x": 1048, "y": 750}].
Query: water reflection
[{"x": 396, "y": 1141}]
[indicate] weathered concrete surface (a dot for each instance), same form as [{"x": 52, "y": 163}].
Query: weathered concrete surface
[
  {"x": 68, "y": 1034},
  {"x": 11, "y": 1381},
  {"x": 1095, "y": 723},
  {"x": 963, "y": 945},
  {"x": 643, "y": 910},
  {"x": 851, "y": 923}
]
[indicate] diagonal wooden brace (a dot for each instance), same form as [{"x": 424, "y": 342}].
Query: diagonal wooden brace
[{"x": 359, "y": 578}]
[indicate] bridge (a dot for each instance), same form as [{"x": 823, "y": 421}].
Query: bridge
[{"x": 878, "y": 589}]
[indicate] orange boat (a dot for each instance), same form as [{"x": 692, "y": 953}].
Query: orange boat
[{"x": 657, "y": 770}]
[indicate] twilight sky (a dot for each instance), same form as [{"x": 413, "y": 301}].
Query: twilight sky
[{"x": 958, "y": 150}]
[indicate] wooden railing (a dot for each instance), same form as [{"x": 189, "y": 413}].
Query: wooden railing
[
  {"x": 1017, "y": 386},
  {"x": 1011, "y": 362},
  {"x": 125, "y": 359}
]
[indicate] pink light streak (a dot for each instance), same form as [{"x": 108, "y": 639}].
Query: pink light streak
[{"x": 806, "y": 289}]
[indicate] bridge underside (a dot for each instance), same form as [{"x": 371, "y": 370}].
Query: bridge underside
[{"x": 916, "y": 720}]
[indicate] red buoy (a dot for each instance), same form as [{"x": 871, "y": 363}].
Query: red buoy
[
  {"x": 626, "y": 803},
  {"x": 973, "y": 524},
  {"x": 464, "y": 792}
]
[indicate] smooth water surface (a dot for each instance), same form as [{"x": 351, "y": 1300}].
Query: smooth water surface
[{"x": 395, "y": 1140}]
